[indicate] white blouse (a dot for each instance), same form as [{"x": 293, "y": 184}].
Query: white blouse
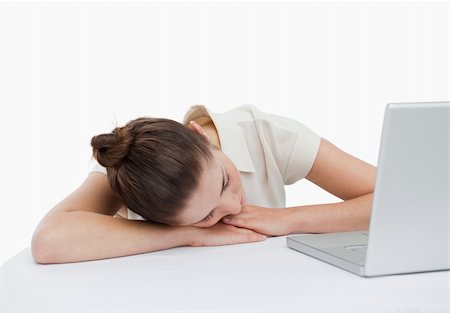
[{"x": 269, "y": 151}]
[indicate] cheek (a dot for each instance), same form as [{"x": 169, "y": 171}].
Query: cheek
[
  {"x": 237, "y": 180},
  {"x": 235, "y": 173}
]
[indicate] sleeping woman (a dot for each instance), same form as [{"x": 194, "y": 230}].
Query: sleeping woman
[{"x": 215, "y": 179}]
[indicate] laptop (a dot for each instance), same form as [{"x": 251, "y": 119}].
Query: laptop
[{"x": 409, "y": 224}]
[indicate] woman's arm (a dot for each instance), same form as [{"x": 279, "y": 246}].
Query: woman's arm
[
  {"x": 344, "y": 176},
  {"x": 82, "y": 227},
  {"x": 82, "y": 236},
  {"x": 339, "y": 173},
  {"x": 352, "y": 214}
]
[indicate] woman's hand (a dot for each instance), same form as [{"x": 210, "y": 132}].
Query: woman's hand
[
  {"x": 221, "y": 234},
  {"x": 268, "y": 221}
]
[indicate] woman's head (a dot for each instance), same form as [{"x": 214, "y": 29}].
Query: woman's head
[
  {"x": 154, "y": 165},
  {"x": 218, "y": 194}
]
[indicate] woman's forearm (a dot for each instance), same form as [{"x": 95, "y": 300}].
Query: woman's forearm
[
  {"x": 82, "y": 236},
  {"x": 353, "y": 214}
]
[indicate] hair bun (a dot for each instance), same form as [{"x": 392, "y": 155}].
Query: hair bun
[{"x": 111, "y": 149}]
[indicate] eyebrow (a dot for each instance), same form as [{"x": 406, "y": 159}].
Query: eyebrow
[{"x": 221, "y": 192}]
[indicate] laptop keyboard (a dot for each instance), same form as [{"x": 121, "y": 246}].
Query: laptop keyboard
[{"x": 360, "y": 249}]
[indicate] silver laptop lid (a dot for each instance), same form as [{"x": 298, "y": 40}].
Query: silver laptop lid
[{"x": 409, "y": 227}]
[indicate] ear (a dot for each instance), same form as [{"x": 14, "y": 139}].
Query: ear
[{"x": 198, "y": 129}]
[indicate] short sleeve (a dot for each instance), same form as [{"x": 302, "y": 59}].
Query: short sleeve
[
  {"x": 302, "y": 156},
  {"x": 96, "y": 167},
  {"x": 294, "y": 145}
]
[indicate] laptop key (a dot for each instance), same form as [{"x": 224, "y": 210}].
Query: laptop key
[{"x": 361, "y": 249}]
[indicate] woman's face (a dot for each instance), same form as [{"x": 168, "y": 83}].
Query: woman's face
[{"x": 218, "y": 194}]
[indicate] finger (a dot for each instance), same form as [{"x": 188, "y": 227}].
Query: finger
[
  {"x": 239, "y": 222},
  {"x": 239, "y": 215},
  {"x": 241, "y": 235},
  {"x": 257, "y": 237},
  {"x": 251, "y": 237}
]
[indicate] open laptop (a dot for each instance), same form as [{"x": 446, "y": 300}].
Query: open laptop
[{"x": 409, "y": 225}]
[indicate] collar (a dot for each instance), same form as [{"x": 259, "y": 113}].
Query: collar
[{"x": 232, "y": 140}]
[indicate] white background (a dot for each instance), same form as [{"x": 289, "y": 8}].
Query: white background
[{"x": 70, "y": 69}]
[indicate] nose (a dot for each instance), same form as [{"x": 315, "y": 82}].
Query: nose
[{"x": 233, "y": 206}]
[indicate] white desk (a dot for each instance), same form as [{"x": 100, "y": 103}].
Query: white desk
[{"x": 257, "y": 277}]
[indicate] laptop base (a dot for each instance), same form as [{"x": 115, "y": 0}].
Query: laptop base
[{"x": 344, "y": 250}]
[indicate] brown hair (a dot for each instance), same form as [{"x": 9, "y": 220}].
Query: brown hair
[{"x": 154, "y": 164}]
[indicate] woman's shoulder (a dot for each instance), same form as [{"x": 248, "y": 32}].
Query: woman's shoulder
[{"x": 204, "y": 114}]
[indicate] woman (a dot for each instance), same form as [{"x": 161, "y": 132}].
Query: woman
[{"x": 216, "y": 180}]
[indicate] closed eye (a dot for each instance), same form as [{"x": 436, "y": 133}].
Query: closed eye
[
  {"x": 210, "y": 216},
  {"x": 228, "y": 182}
]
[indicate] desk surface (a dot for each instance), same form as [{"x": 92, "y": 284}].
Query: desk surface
[{"x": 257, "y": 277}]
